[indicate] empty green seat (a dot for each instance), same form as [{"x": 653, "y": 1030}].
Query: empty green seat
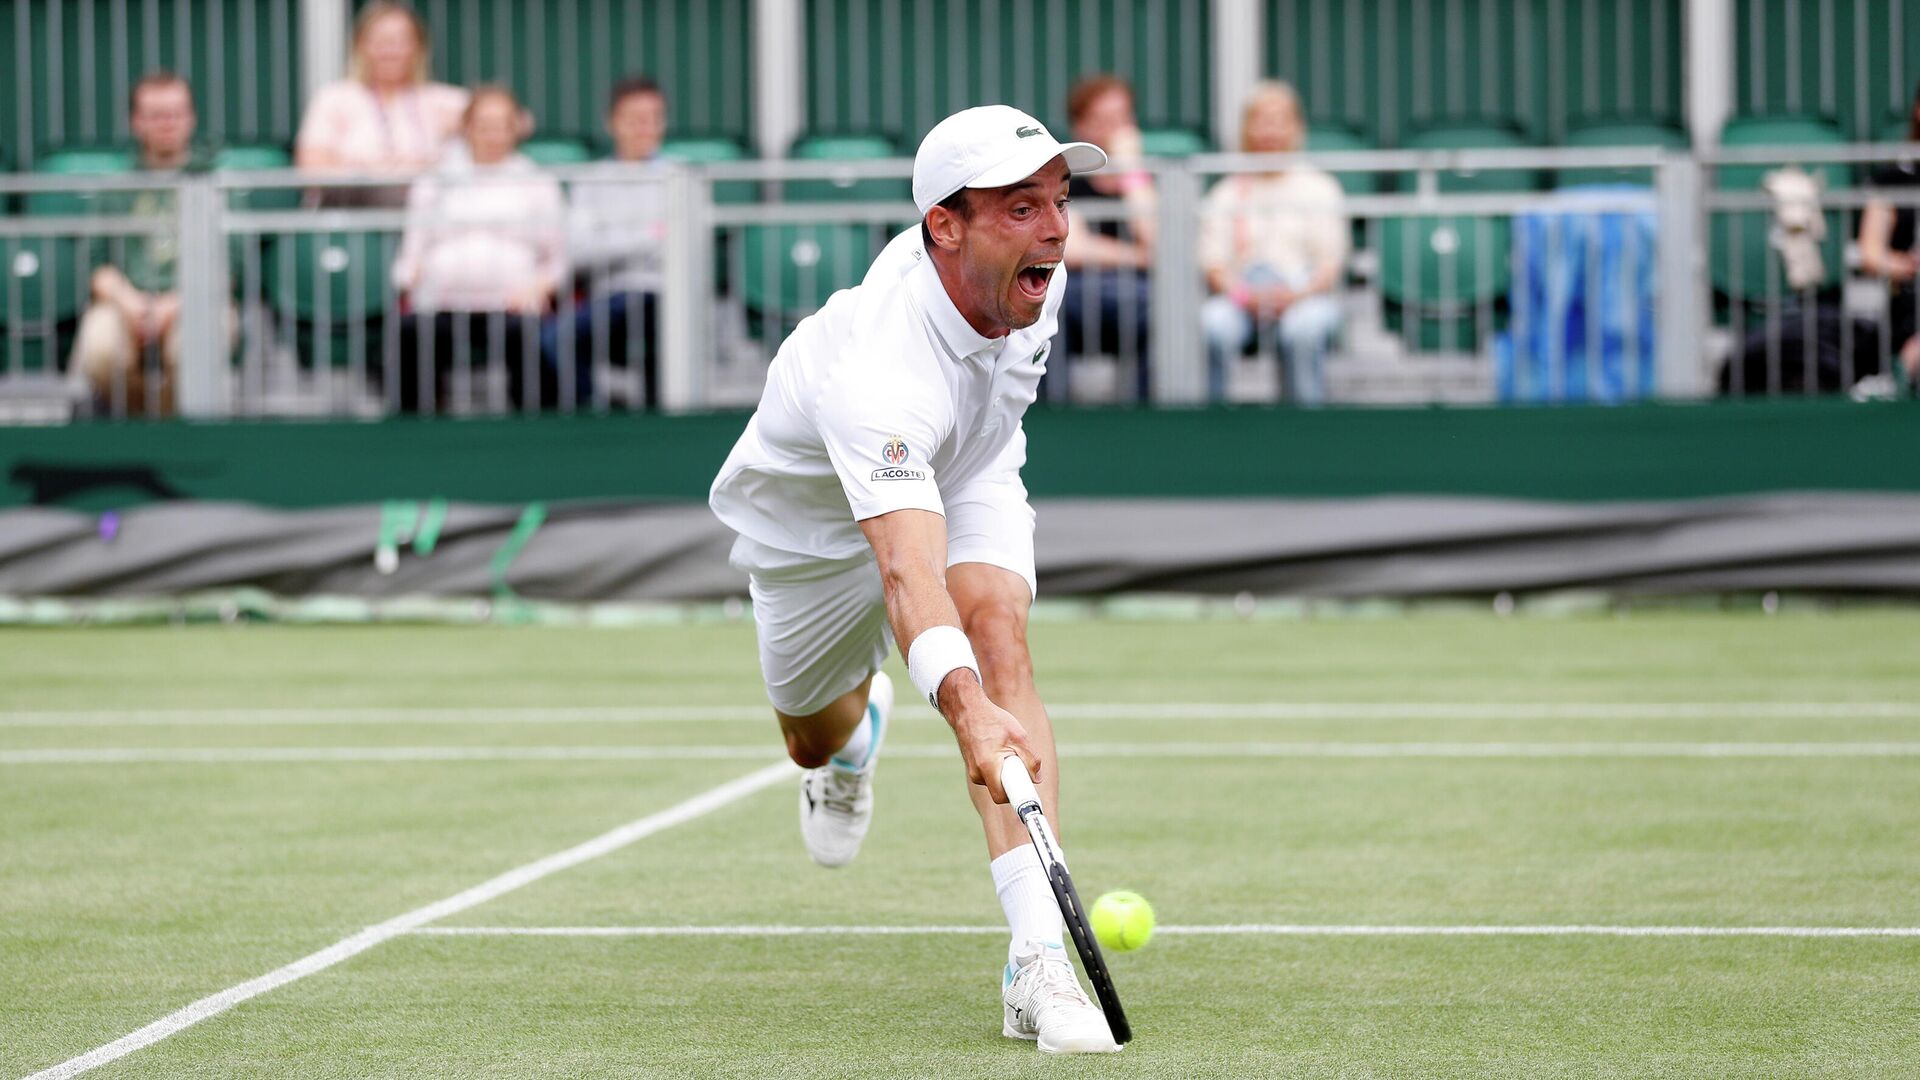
[
  {"x": 258, "y": 157},
  {"x": 1173, "y": 142},
  {"x": 1474, "y": 135},
  {"x": 1744, "y": 267},
  {"x": 1638, "y": 134},
  {"x": 790, "y": 270},
  {"x": 555, "y": 151},
  {"x": 700, "y": 150},
  {"x": 51, "y": 272},
  {"x": 252, "y": 157},
  {"x": 333, "y": 286},
  {"x": 86, "y": 161},
  {"x": 79, "y": 161},
  {"x": 1325, "y": 138},
  {"x": 848, "y": 188},
  {"x": 709, "y": 151},
  {"x": 40, "y": 295},
  {"x": 1896, "y": 130},
  {"x": 1449, "y": 274}
]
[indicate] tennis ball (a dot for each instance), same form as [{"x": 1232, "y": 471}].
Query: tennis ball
[{"x": 1123, "y": 921}]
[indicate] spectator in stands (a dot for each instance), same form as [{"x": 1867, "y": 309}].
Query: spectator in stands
[
  {"x": 483, "y": 252},
  {"x": 134, "y": 305},
  {"x": 615, "y": 234},
  {"x": 385, "y": 116},
  {"x": 1108, "y": 289},
  {"x": 1274, "y": 245},
  {"x": 1888, "y": 250}
]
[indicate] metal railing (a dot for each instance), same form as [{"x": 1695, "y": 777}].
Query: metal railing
[{"x": 1467, "y": 278}]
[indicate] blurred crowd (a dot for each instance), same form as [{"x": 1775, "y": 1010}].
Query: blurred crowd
[{"x": 496, "y": 259}]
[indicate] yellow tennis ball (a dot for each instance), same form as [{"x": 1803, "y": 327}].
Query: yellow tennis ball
[{"x": 1123, "y": 921}]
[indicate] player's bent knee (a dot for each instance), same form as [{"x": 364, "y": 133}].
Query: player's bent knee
[{"x": 808, "y": 751}]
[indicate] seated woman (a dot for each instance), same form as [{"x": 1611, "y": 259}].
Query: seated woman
[
  {"x": 1108, "y": 304},
  {"x": 1273, "y": 246},
  {"x": 385, "y": 116},
  {"x": 483, "y": 252},
  {"x": 1887, "y": 250}
]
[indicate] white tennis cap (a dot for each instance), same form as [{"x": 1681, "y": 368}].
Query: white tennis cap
[{"x": 987, "y": 147}]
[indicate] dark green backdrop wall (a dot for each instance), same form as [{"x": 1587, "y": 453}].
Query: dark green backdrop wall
[{"x": 1585, "y": 454}]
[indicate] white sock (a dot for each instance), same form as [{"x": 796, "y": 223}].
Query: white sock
[
  {"x": 853, "y": 756},
  {"x": 1032, "y": 912}
]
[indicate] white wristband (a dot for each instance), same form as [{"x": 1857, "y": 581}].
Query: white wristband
[{"x": 934, "y": 655}]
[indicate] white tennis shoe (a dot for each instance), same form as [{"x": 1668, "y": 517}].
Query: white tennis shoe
[
  {"x": 1044, "y": 1002},
  {"x": 836, "y": 799}
]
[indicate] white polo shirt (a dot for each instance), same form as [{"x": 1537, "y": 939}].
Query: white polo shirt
[{"x": 882, "y": 400}]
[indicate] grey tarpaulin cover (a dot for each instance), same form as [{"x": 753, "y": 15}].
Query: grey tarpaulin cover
[{"x": 1387, "y": 546}]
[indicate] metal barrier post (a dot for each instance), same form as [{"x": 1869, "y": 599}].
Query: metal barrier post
[
  {"x": 1175, "y": 349},
  {"x": 1681, "y": 307},
  {"x": 203, "y": 376},
  {"x": 683, "y": 355}
]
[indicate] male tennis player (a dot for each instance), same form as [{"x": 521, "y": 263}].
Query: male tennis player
[{"x": 877, "y": 496}]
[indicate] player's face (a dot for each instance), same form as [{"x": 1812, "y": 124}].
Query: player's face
[{"x": 1013, "y": 243}]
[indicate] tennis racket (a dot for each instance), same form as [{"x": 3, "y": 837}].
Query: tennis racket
[{"x": 1025, "y": 800}]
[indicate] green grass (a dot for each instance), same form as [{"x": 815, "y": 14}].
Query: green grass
[{"x": 130, "y": 890}]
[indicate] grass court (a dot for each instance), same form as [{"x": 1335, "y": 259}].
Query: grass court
[{"x": 1438, "y": 844}]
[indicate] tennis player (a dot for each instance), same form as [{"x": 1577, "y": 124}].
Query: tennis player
[{"x": 877, "y": 497}]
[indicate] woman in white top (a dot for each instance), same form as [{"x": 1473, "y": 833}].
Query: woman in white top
[
  {"x": 1274, "y": 246},
  {"x": 385, "y": 116},
  {"x": 483, "y": 253}
]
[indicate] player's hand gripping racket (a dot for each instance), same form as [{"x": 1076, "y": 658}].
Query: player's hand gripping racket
[{"x": 1025, "y": 800}]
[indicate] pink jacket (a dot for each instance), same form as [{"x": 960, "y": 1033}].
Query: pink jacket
[{"x": 478, "y": 235}]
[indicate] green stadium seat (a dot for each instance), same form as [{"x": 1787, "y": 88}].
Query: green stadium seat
[
  {"x": 709, "y": 151},
  {"x": 1476, "y": 135},
  {"x": 258, "y": 157},
  {"x": 252, "y": 157},
  {"x": 1754, "y": 274},
  {"x": 848, "y": 188},
  {"x": 78, "y": 161},
  {"x": 1327, "y": 138},
  {"x": 700, "y": 150},
  {"x": 1638, "y": 134},
  {"x": 790, "y": 270},
  {"x": 1173, "y": 142},
  {"x": 1896, "y": 130},
  {"x": 556, "y": 151},
  {"x": 1449, "y": 275},
  {"x": 52, "y": 273},
  {"x": 333, "y": 286}
]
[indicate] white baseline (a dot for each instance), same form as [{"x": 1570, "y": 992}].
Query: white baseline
[
  {"x": 267, "y": 755},
  {"x": 607, "y": 842},
  {"x": 1225, "y": 930},
  {"x": 1191, "y": 710}
]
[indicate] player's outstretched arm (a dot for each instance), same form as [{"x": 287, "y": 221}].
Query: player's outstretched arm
[{"x": 911, "y": 547}]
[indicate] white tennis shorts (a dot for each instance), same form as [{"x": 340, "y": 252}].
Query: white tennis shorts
[{"x": 822, "y": 624}]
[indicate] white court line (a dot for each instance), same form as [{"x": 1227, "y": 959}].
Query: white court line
[
  {"x": 248, "y": 717},
  {"x": 1270, "y": 710},
  {"x": 613, "y": 840},
  {"x": 1228, "y": 930},
  {"x": 264, "y": 755}
]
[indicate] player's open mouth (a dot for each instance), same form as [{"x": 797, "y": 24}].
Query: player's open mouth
[{"x": 1033, "y": 279}]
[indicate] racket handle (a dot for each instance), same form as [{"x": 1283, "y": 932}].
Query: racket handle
[{"x": 1015, "y": 781}]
